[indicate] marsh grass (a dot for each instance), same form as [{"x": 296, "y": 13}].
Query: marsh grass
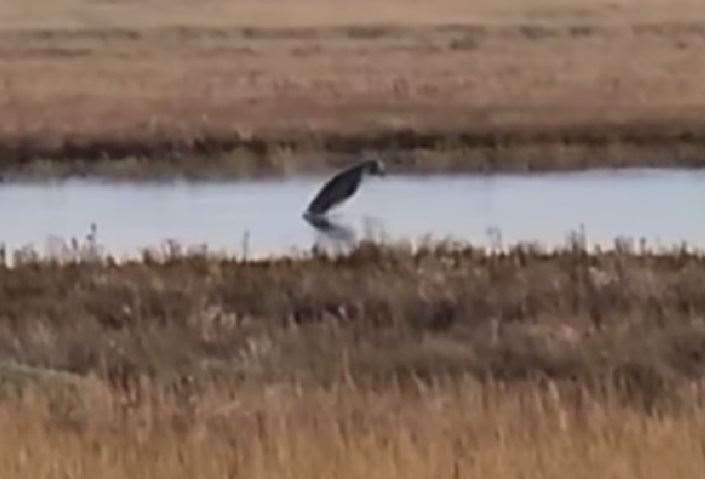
[
  {"x": 381, "y": 311},
  {"x": 446, "y": 157},
  {"x": 443, "y": 429},
  {"x": 445, "y": 361}
]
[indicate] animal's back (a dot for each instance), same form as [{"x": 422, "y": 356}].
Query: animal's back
[{"x": 339, "y": 188}]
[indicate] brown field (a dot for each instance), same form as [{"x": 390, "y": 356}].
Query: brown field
[
  {"x": 285, "y": 86},
  {"x": 447, "y": 362}
]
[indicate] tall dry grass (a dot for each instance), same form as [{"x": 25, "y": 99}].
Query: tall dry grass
[
  {"x": 378, "y": 313},
  {"x": 444, "y": 362},
  {"x": 445, "y": 429}
]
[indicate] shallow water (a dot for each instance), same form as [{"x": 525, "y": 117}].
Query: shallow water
[{"x": 663, "y": 206}]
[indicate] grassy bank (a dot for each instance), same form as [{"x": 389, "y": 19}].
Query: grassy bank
[
  {"x": 376, "y": 314},
  {"x": 244, "y": 87},
  {"x": 445, "y": 362}
]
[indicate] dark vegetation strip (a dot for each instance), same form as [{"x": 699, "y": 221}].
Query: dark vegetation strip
[
  {"x": 530, "y": 31},
  {"x": 378, "y": 313},
  {"x": 19, "y": 151}
]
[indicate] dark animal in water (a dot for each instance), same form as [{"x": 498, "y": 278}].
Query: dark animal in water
[{"x": 342, "y": 186}]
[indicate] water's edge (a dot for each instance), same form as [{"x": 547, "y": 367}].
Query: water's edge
[{"x": 664, "y": 207}]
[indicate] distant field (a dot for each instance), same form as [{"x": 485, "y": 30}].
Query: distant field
[
  {"x": 299, "y": 85},
  {"x": 288, "y": 13}
]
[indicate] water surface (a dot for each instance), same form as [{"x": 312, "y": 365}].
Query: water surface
[{"x": 663, "y": 206}]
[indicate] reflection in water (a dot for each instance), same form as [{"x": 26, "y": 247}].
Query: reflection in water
[
  {"x": 335, "y": 236},
  {"x": 332, "y": 236},
  {"x": 375, "y": 229}
]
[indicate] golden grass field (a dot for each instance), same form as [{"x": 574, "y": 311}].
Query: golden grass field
[
  {"x": 445, "y": 362},
  {"x": 459, "y": 430},
  {"x": 287, "y": 86}
]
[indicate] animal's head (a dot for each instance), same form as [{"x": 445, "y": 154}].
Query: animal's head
[{"x": 375, "y": 167}]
